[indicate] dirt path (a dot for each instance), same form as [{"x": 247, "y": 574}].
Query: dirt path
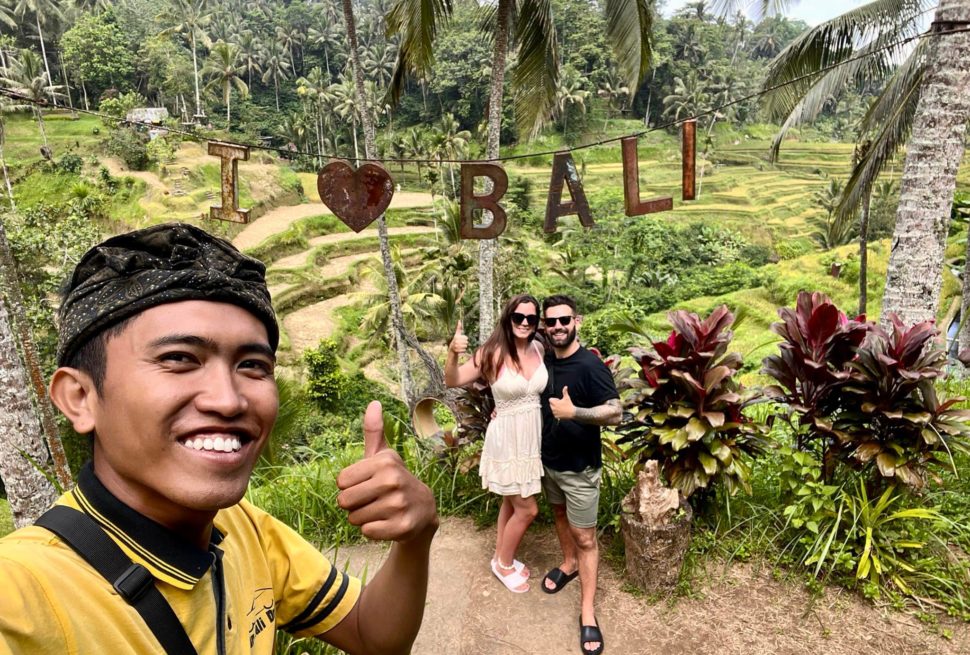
[
  {"x": 307, "y": 326},
  {"x": 281, "y": 218},
  {"x": 299, "y": 259},
  {"x": 738, "y": 611},
  {"x": 117, "y": 168}
]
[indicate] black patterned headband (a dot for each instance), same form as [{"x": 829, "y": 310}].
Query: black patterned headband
[{"x": 132, "y": 272}]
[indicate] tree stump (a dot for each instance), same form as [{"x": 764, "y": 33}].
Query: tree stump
[{"x": 656, "y": 531}]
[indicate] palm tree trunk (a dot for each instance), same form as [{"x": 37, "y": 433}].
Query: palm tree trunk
[
  {"x": 84, "y": 90},
  {"x": 67, "y": 85},
  {"x": 370, "y": 149},
  {"x": 3, "y": 165},
  {"x": 40, "y": 124},
  {"x": 228, "y": 102},
  {"x": 933, "y": 155},
  {"x": 47, "y": 68},
  {"x": 276, "y": 89},
  {"x": 864, "y": 253},
  {"x": 21, "y": 443},
  {"x": 195, "y": 69},
  {"x": 11, "y": 285},
  {"x": 487, "y": 247}
]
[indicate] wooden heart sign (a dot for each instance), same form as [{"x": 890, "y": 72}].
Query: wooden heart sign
[{"x": 357, "y": 197}]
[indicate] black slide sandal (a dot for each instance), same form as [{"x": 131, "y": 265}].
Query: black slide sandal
[
  {"x": 590, "y": 633},
  {"x": 559, "y": 578}
]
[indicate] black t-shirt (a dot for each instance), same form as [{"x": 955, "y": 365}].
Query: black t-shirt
[{"x": 570, "y": 445}]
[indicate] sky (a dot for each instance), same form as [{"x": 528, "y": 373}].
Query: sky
[{"x": 812, "y": 12}]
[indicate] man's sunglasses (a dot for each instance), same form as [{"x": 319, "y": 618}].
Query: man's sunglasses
[
  {"x": 563, "y": 320},
  {"x": 531, "y": 319}
]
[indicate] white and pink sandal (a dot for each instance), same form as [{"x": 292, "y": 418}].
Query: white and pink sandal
[{"x": 512, "y": 581}]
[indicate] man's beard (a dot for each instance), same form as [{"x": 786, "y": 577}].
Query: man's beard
[{"x": 570, "y": 337}]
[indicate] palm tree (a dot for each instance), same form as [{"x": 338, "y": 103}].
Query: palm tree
[
  {"x": 191, "y": 17},
  {"x": 21, "y": 440},
  {"x": 534, "y": 77},
  {"x": 869, "y": 33},
  {"x": 452, "y": 144},
  {"x": 275, "y": 67},
  {"x": 224, "y": 69},
  {"x": 915, "y": 272},
  {"x": 370, "y": 150},
  {"x": 44, "y": 11},
  {"x": 326, "y": 33},
  {"x": 251, "y": 53},
  {"x": 413, "y": 146},
  {"x": 570, "y": 92},
  {"x": 688, "y": 99},
  {"x": 26, "y": 77},
  {"x": 315, "y": 89},
  {"x": 907, "y": 74},
  {"x": 615, "y": 92},
  {"x": 345, "y": 105},
  {"x": 833, "y": 230}
]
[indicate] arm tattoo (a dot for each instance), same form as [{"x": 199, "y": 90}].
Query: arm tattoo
[{"x": 609, "y": 413}]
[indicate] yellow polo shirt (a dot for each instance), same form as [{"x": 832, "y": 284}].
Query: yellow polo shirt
[{"x": 53, "y": 602}]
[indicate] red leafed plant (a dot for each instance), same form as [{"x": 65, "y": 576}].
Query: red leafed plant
[
  {"x": 812, "y": 364},
  {"x": 687, "y": 406},
  {"x": 864, "y": 396}
]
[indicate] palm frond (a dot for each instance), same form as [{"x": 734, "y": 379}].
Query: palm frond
[
  {"x": 836, "y": 40},
  {"x": 536, "y": 73},
  {"x": 418, "y": 23},
  {"x": 629, "y": 26},
  {"x": 757, "y": 9},
  {"x": 892, "y": 114}
]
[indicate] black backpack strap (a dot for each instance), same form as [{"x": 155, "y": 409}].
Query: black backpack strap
[{"x": 132, "y": 581}]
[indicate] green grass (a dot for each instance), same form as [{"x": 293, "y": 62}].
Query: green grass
[
  {"x": 6, "y": 518},
  {"x": 64, "y": 135}
]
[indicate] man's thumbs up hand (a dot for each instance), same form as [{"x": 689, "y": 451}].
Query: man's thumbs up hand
[
  {"x": 563, "y": 408},
  {"x": 380, "y": 494},
  {"x": 374, "y": 430},
  {"x": 459, "y": 343}
]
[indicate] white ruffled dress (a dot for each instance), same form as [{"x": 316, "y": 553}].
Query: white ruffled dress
[{"x": 511, "y": 463}]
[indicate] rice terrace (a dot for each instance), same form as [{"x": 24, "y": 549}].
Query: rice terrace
[{"x": 781, "y": 421}]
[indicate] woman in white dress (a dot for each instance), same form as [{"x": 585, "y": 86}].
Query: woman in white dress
[{"x": 510, "y": 360}]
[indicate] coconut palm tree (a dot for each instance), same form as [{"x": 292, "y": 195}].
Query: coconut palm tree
[
  {"x": 275, "y": 67},
  {"x": 904, "y": 72},
  {"x": 534, "y": 76},
  {"x": 315, "y": 90},
  {"x": 926, "y": 189},
  {"x": 189, "y": 17},
  {"x": 224, "y": 69},
  {"x": 44, "y": 11},
  {"x": 251, "y": 54},
  {"x": 26, "y": 77},
  {"x": 452, "y": 144},
  {"x": 571, "y": 92},
  {"x": 326, "y": 33},
  {"x": 21, "y": 441},
  {"x": 688, "y": 99},
  {"x": 401, "y": 336}
]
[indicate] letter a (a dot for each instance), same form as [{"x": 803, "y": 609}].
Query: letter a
[{"x": 564, "y": 168}]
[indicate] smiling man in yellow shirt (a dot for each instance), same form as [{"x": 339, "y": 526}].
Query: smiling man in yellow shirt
[{"x": 166, "y": 357}]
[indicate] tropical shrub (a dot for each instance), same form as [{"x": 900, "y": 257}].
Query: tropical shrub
[
  {"x": 686, "y": 406},
  {"x": 862, "y": 396},
  {"x": 130, "y": 146},
  {"x": 326, "y": 382}
]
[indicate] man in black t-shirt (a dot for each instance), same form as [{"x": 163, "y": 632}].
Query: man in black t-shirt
[{"x": 579, "y": 398}]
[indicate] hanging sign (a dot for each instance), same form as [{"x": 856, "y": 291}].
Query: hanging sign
[
  {"x": 230, "y": 154},
  {"x": 359, "y": 196}
]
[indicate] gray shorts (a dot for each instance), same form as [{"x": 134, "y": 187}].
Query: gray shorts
[{"x": 579, "y": 492}]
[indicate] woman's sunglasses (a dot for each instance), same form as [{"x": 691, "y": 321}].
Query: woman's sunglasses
[
  {"x": 531, "y": 319},
  {"x": 563, "y": 320}
]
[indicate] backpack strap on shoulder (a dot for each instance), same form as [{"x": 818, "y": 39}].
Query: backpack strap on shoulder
[{"x": 132, "y": 581}]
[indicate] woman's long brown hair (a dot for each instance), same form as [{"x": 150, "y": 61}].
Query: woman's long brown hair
[{"x": 501, "y": 342}]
